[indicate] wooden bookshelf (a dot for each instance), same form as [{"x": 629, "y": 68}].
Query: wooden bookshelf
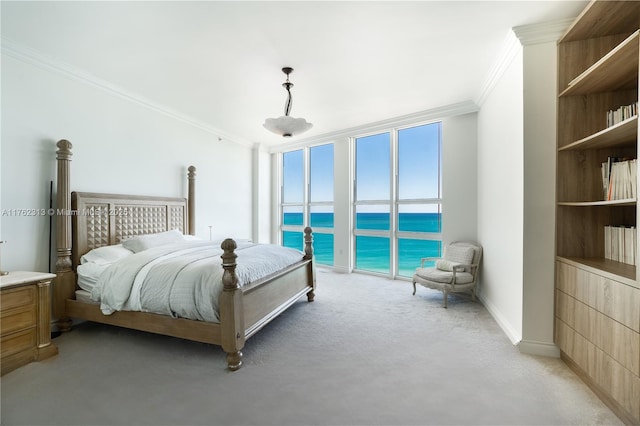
[{"x": 598, "y": 61}]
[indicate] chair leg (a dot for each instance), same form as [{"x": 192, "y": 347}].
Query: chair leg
[
  {"x": 414, "y": 288},
  {"x": 444, "y": 292}
]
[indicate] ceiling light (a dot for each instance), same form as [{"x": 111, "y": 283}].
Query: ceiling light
[{"x": 286, "y": 125}]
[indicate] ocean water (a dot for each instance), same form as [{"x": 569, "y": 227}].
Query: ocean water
[{"x": 372, "y": 253}]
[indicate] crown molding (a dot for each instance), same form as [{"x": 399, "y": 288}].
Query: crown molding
[
  {"x": 510, "y": 49},
  {"x": 460, "y": 108},
  {"x": 546, "y": 32},
  {"x": 37, "y": 58},
  {"x": 523, "y": 35}
]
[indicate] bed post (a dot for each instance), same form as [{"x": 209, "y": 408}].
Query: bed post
[
  {"x": 191, "y": 202},
  {"x": 64, "y": 284},
  {"x": 308, "y": 254},
  {"x": 231, "y": 308}
]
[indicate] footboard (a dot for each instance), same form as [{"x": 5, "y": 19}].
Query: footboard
[
  {"x": 266, "y": 300},
  {"x": 244, "y": 311}
]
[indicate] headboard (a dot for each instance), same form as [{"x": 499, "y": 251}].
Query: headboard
[
  {"x": 107, "y": 219},
  {"x": 85, "y": 221}
]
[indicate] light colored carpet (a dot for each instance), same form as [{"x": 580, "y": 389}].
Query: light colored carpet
[{"x": 366, "y": 352}]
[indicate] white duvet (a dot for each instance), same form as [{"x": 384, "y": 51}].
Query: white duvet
[{"x": 183, "y": 279}]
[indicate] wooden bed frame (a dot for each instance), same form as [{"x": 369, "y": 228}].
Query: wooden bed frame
[{"x": 89, "y": 220}]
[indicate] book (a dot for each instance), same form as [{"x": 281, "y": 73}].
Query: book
[
  {"x": 622, "y": 113},
  {"x": 620, "y": 244},
  {"x": 619, "y": 178},
  {"x": 629, "y": 244}
]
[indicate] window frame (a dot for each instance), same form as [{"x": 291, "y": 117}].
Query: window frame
[
  {"x": 307, "y": 205},
  {"x": 394, "y": 203}
]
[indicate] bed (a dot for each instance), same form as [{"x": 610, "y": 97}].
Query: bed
[{"x": 89, "y": 221}]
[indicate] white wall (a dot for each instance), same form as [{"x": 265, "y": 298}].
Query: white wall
[
  {"x": 262, "y": 208},
  {"x": 459, "y": 170},
  {"x": 500, "y": 198},
  {"x": 119, "y": 147},
  {"x": 516, "y": 190},
  {"x": 540, "y": 81}
]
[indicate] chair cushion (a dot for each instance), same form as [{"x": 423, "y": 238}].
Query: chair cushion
[
  {"x": 435, "y": 274},
  {"x": 460, "y": 254}
]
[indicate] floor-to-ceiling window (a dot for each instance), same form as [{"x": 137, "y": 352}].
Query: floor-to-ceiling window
[
  {"x": 292, "y": 199},
  {"x": 372, "y": 203},
  {"x": 397, "y": 200},
  {"x": 307, "y": 199}
]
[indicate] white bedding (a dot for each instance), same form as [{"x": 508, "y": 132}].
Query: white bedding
[{"x": 183, "y": 279}]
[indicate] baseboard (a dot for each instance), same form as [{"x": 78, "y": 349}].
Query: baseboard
[
  {"x": 512, "y": 334},
  {"x": 531, "y": 347}
]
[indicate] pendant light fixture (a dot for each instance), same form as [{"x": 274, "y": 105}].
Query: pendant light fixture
[{"x": 286, "y": 125}]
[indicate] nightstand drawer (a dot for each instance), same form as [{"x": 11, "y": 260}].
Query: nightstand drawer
[
  {"x": 18, "y": 349},
  {"x": 17, "y": 319},
  {"x": 18, "y": 342},
  {"x": 13, "y": 298}
]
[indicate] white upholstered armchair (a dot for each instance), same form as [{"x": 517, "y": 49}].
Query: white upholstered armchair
[{"x": 456, "y": 271}]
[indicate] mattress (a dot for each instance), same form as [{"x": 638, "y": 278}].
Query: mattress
[
  {"x": 85, "y": 297},
  {"x": 183, "y": 280}
]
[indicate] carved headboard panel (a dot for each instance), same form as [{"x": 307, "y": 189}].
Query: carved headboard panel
[{"x": 107, "y": 219}]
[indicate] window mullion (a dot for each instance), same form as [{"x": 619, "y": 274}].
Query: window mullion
[
  {"x": 306, "y": 186},
  {"x": 393, "y": 220}
]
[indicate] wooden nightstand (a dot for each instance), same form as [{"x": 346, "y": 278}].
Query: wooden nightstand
[{"x": 25, "y": 315}]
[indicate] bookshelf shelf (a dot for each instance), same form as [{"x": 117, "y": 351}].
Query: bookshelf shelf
[
  {"x": 617, "y": 70},
  {"x": 624, "y": 133},
  {"x": 624, "y": 202},
  {"x": 601, "y": 18}
]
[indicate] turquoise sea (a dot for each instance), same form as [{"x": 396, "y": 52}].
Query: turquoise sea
[{"x": 372, "y": 253}]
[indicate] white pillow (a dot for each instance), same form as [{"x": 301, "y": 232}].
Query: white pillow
[
  {"x": 105, "y": 255},
  {"x": 143, "y": 242},
  {"x": 447, "y": 265}
]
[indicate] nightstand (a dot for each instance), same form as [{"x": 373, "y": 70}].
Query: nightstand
[{"x": 25, "y": 319}]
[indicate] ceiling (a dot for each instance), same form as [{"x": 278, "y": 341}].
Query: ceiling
[{"x": 218, "y": 64}]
